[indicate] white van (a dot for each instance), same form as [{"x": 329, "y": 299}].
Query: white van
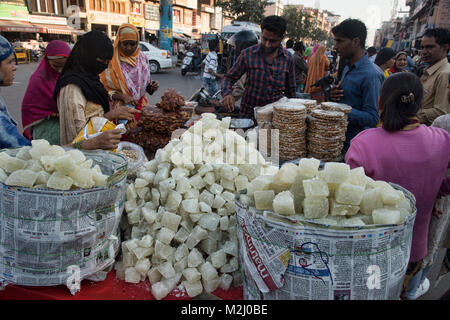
[{"x": 158, "y": 58}]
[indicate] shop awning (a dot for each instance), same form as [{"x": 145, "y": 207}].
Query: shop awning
[
  {"x": 19, "y": 26},
  {"x": 59, "y": 29}
]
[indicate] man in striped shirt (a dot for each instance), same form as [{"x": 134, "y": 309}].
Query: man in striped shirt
[
  {"x": 270, "y": 71},
  {"x": 210, "y": 68}
]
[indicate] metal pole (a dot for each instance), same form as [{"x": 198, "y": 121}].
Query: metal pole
[{"x": 166, "y": 25}]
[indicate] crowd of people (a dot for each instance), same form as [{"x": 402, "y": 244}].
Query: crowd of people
[{"x": 398, "y": 129}]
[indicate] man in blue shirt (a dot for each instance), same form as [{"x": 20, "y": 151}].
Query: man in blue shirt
[{"x": 361, "y": 81}]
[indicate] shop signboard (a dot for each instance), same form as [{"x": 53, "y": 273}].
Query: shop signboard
[
  {"x": 136, "y": 21},
  {"x": 13, "y": 12}
]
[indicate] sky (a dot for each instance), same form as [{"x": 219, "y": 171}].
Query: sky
[{"x": 371, "y": 12}]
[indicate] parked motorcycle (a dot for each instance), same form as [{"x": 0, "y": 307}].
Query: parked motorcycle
[
  {"x": 188, "y": 64},
  {"x": 34, "y": 55}
]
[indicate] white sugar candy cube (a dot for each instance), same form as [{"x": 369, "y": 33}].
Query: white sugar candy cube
[
  {"x": 211, "y": 285},
  {"x": 251, "y": 171},
  {"x": 241, "y": 182},
  {"x": 134, "y": 217},
  {"x": 230, "y": 248},
  {"x": 3, "y": 175},
  {"x": 358, "y": 177},
  {"x": 209, "y": 221},
  {"x": 371, "y": 200},
  {"x": 218, "y": 202},
  {"x": 229, "y": 172},
  {"x": 160, "y": 290},
  {"x": 82, "y": 177},
  {"x": 163, "y": 251},
  {"x": 225, "y": 281},
  {"x": 209, "y": 178},
  {"x": 309, "y": 167},
  {"x": 315, "y": 207},
  {"x": 315, "y": 187},
  {"x": 208, "y": 271},
  {"x": 132, "y": 275},
  {"x": 349, "y": 194},
  {"x": 86, "y": 164},
  {"x": 390, "y": 196},
  {"x": 140, "y": 252},
  {"x": 165, "y": 235},
  {"x": 199, "y": 233},
  {"x": 190, "y": 205},
  {"x": 183, "y": 185},
  {"x": 149, "y": 215},
  {"x": 385, "y": 216},
  {"x": 264, "y": 200},
  {"x": 161, "y": 174},
  {"x": 131, "y": 192},
  {"x": 298, "y": 192},
  {"x": 181, "y": 235},
  {"x": 337, "y": 209},
  {"x": 205, "y": 208},
  {"x": 352, "y": 222},
  {"x": 227, "y": 184},
  {"x": 34, "y": 165},
  {"x": 216, "y": 189},
  {"x": 143, "y": 193},
  {"x": 100, "y": 180},
  {"x": 405, "y": 204},
  {"x": 193, "y": 289},
  {"x": 195, "y": 217},
  {"x": 173, "y": 201},
  {"x": 77, "y": 156},
  {"x": 170, "y": 220},
  {"x": 11, "y": 164},
  {"x": 261, "y": 183},
  {"x": 192, "y": 275},
  {"x": 39, "y": 148},
  {"x": 181, "y": 252},
  {"x": 146, "y": 241},
  {"x": 228, "y": 196},
  {"x": 218, "y": 259},
  {"x": 166, "y": 269},
  {"x": 140, "y": 183},
  {"x": 224, "y": 223},
  {"x": 48, "y": 163},
  {"x": 206, "y": 197},
  {"x": 285, "y": 177},
  {"x": 246, "y": 200},
  {"x": 64, "y": 164},
  {"x": 22, "y": 178},
  {"x": 283, "y": 204},
  {"x": 142, "y": 266},
  {"x": 153, "y": 275},
  {"x": 195, "y": 258},
  {"x": 24, "y": 153},
  {"x": 208, "y": 246},
  {"x": 59, "y": 181},
  {"x": 335, "y": 172},
  {"x": 179, "y": 266},
  {"x": 197, "y": 182}
]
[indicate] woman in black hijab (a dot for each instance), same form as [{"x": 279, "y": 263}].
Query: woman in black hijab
[{"x": 81, "y": 96}]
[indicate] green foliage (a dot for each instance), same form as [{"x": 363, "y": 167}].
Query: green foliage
[
  {"x": 245, "y": 10},
  {"x": 299, "y": 23}
]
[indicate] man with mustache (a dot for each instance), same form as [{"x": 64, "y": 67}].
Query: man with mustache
[
  {"x": 435, "y": 44},
  {"x": 270, "y": 71}
]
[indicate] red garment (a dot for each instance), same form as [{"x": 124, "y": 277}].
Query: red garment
[
  {"x": 38, "y": 101},
  {"x": 110, "y": 289}
]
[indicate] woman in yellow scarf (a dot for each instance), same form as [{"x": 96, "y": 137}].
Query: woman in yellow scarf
[{"x": 127, "y": 78}]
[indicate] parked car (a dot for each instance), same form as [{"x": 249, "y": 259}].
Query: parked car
[{"x": 158, "y": 58}]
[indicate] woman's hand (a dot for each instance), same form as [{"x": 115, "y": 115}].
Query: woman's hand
[
  {"x": 153, "y": 87},
  {"x": 122, "y": 113},
  {"x": 108, "y": 140},
  {"x": 126, "y": 99}
]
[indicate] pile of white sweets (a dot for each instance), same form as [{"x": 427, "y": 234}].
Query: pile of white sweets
[
  {"x": 181, "y": 208},
  {"x": 335, "y": 195},
  {"x": 46, "y": 166}
]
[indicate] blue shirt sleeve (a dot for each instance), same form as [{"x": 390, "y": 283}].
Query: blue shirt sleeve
[
  {"x": 9, "y": 136},
  {"x": 368, "y": 115}
]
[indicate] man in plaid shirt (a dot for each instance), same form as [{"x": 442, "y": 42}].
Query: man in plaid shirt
[{"x": 270, "y": 71}]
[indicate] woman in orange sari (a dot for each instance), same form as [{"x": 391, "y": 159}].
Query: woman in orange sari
[
  {"x": 127, "y": 78},
  {"x": 318, "y": 65}
]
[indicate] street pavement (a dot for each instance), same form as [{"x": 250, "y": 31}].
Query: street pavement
[{"x": 186, "y": 86}]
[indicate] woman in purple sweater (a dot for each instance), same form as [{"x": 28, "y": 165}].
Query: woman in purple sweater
[{"x": 409, "y": 154}]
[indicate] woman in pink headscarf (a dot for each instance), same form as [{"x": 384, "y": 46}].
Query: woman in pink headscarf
[{"x": 40, "y": 118}]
